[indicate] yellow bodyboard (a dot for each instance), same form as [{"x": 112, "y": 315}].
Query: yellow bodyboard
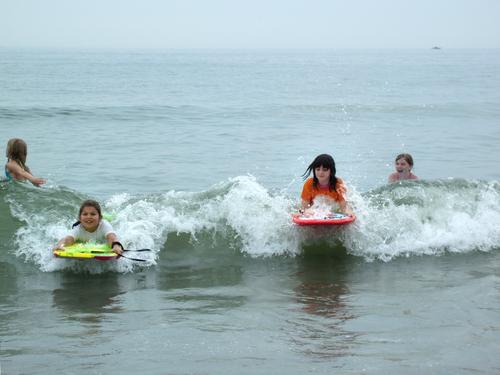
[{"x": 86, "y": 251}]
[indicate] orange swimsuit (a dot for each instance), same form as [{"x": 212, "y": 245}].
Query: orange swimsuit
[{"x": 309, "y": 192}]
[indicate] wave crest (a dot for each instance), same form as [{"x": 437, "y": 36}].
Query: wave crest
[{"x": 403, "y": 219}]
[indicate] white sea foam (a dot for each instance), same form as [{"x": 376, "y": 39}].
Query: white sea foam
[
  {"x": 398, "y": 220},
  {"x": 427, "y": 218}
]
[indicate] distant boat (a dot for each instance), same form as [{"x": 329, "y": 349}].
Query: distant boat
[{"x": 436, "y": 47}]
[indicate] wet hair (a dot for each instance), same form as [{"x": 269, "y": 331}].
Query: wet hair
[
  {"x": 406, "y": 157},
  {"x": 325, "y": 161},
  {"x": 17, "y": 150},
  {"x": 88, "y": 203},
  {"x": 9, "y": 146}
]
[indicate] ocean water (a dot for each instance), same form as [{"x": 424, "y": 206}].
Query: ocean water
[{"x": 198, "y": 155}]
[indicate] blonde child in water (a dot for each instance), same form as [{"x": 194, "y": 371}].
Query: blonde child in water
[
  {"x": 91, "y": 227},
  {"x": 16, "y": 168},
  {"x": 324, "y": 184},
  {"x": 403, "y": 165}
]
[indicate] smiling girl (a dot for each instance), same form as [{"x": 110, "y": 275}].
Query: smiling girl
[
  {"x": 323, "y": 183},
  {"x": 403, "y": 165},
  {"x": 91, "y": 227}
]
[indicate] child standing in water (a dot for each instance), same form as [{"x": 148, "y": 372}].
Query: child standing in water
[
  {"x": 323, "y": 183},
  {"x": 403, "y": 164},
  {"x": 91, "y": 227},
  {"x": 16, "y": 168}
]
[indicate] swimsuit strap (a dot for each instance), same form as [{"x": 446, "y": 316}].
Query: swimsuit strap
[{"x": 8, "y": 175}]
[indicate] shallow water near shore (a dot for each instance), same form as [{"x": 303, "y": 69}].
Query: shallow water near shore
[{"x": 198, "y": 155}]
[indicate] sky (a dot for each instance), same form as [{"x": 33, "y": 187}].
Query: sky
[{"x": 249, "y": 24}]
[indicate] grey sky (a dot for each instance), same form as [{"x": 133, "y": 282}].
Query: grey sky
[{"x": 250, "y": 24}]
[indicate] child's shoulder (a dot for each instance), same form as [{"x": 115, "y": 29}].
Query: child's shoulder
[
  {"x": 309, "y": 182},
  {"x": 11, "y": 163},
  {"x": 105, "y": 223},
  {"x": 13, "y": 169},
  {"x": 14, "y": 166},
  {"x": 105, "y": 226}
]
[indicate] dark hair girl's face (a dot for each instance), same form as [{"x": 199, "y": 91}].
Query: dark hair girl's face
[
  {"x": 324, "y": 161},
  {"x": 323, "y": 174}
]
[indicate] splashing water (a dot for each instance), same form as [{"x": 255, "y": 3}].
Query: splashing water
[{"x": 403, "y": 219}]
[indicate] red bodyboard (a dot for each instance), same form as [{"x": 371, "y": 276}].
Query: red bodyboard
[{"x": 331, "y": 219}]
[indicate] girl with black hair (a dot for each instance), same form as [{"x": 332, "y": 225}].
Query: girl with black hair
[{"x": 323, "y": 183}]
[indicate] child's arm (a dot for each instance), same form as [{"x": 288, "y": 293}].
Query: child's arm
[
  {"x": 114, "y": 244},
  {"x": 66, "y": 241},
  {"x": 16, "y": 170},
  {"x": 306, "y": 196},
  {"x": 305, "y": 204},
  {"x": 342, "y": 206},
  {"x": 342, "y": 191},
  {"x": 345, "y": 208}
]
